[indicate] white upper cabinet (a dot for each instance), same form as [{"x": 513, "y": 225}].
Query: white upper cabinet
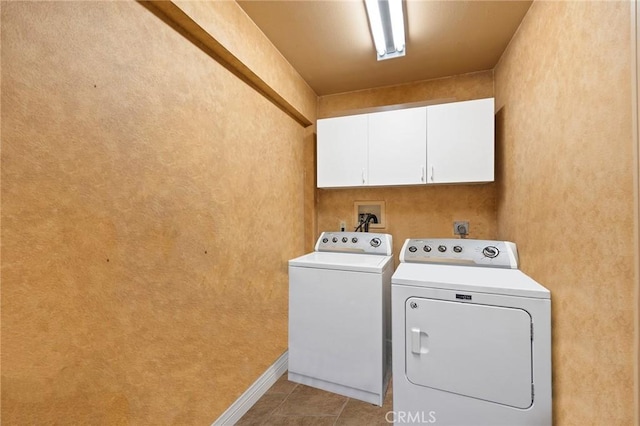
[
  {"x": 448, "y": 143},
  {"x": 397, "y": 148},
  {"x": 460, "y": 142},
  {"x": 342, "y": 151}
]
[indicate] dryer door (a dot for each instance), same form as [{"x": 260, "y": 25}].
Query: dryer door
[{"x": 479, "y": 351}]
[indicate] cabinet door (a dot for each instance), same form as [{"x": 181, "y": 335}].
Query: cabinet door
[
  {"x": 398, "y": 147},
  {"x": 342, "y": 151},
  {"x": 460, "y": 142}
]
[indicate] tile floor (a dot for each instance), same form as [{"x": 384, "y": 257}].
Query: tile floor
[{"x": 288, "y": 403}]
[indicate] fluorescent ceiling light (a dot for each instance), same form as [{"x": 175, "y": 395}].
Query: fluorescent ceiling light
[{"x": 386, "y": 21}]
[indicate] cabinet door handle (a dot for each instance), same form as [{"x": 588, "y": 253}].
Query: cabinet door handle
[
  {"x": 363, "y": 176},
  {"x": 422, "y": 174},
  {"x": 431, "y": 175}
]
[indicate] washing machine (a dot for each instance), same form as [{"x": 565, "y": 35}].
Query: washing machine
[
  {"x": 339, "y": 315},
  {"x": 471, "y": 336}
]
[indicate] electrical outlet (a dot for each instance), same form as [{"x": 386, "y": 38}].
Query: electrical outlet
[{"x": 461, "y": 228}]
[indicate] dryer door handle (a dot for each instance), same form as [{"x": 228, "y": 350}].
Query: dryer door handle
[{"x": 418, "y": 341}]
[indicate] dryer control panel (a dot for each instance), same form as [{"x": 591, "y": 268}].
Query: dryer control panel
[
  {"x": 355, "y": 242},
  {"x": 497, "y": 254}
]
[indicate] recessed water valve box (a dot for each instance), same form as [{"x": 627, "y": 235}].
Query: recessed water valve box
[{"x": 363, "y": 208}]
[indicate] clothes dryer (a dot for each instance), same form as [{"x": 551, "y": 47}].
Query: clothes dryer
[{"x": 471, "y": 336}]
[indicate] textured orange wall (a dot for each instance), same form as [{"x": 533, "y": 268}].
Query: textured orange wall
[
  {"x": 456, "y": 88},
  {"x": 230, "y": 26},
  {"x": 310, "y": 211},
  {"x": 563, "y": 95},
  {"x": 635, "y": 71},
  {"x": 413, "y": 211},
  {"x": 133, "y": 168}
]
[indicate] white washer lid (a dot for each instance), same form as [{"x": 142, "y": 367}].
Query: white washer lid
[
  {"x": 372, "y": 263},
  {"x": 509, "y": 282}
]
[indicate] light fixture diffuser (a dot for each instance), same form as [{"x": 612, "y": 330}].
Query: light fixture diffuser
[{"x": 386, "y": 20}]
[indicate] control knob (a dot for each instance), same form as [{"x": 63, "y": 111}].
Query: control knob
[
  {"x": 325, "y": 240},
  {"x": 442, "y": 249},
  {"x": 345, "y": 239},
  {"x": 413, "y": 249},
  {"x": 375, "y": 242},
  {"x": 457, "y": 249},
  {"x": 354, "y": 240},
  {"x": 334, "y": 239},
  {"x": 490, "y": 252},
  {"x": 427, "y": 249}
]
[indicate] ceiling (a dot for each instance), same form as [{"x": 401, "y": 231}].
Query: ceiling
[{"x": 329, "y": 43}]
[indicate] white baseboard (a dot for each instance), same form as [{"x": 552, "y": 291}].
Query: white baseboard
[{"x": 255, "y": 391}]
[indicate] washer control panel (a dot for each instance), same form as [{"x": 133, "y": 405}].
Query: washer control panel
[
  {"x": 355, "y": 242},
  {"x": 497, "y": 254}
]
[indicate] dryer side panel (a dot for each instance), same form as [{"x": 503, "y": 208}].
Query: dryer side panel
[{"x": 473, "y": 350}]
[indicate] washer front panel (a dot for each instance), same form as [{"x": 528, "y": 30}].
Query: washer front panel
[
  {"x": 336, "y": 327},
  {"x": 478, "y": 351}
]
